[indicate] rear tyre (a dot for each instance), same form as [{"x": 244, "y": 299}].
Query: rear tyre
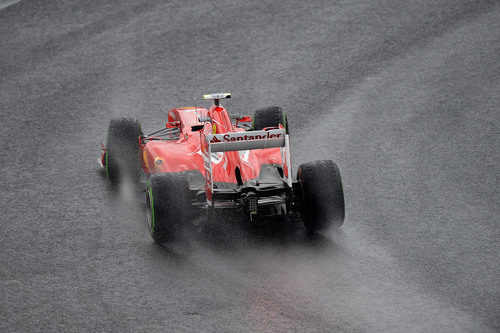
[
  {"x": 270, "y": 116},
  {"x": 169, "y": 203},
  {"x": 122, "y": 149},
  {"x": 322, "y": 200}
]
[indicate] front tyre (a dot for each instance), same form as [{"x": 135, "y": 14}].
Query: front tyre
[
  {"x": 122, "y": 149},
  {"x": 322, "y": 198},
  {"x": 169, "y": 203},
  {"x": 270, "y": 116}
]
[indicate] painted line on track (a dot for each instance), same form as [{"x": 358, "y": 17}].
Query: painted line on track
[{"x": 7, "y": 3}]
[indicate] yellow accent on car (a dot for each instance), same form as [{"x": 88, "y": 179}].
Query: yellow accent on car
[
  {"x": 158, "y": 162},
  {"x": 145, "y": 158}
]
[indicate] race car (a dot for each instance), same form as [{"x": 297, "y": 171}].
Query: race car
[{"x": 204, "y": 160}]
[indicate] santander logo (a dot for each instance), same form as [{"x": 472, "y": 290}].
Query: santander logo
[
  {"x": 262, "y": 139},
  {"x": 215, "y": 140},
  {"x": 245, "y": 136}
]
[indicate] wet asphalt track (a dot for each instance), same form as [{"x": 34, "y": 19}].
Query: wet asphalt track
[{"x": 403, "y": 95}]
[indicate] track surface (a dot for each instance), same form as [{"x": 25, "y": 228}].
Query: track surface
[{"x": 403, "y": 95}]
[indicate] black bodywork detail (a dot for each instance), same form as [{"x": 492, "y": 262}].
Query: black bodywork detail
[{"x": 265, "y": 196}]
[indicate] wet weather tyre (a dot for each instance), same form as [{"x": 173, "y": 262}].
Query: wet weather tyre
[
  {"x": 322, "y": 198},
  {"x": 122, "y": 149},
  {"x": 169, "y": 203},
  {"x": 270, "y": 116}
]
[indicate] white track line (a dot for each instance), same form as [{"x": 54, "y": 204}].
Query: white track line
[{"x": 7, "y": 3}]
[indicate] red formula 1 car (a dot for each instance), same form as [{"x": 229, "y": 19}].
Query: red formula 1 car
[{"x": 203, "y": 159}]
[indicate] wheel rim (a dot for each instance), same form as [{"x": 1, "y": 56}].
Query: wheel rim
[{"x": 150, "y": 212}]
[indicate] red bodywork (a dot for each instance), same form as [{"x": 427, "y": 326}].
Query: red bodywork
[{"x": 187, "y": 153}]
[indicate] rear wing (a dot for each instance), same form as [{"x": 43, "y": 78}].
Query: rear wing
[
  {"x": 273, "y": 138},
  {"x": 246, "y": 140}
]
